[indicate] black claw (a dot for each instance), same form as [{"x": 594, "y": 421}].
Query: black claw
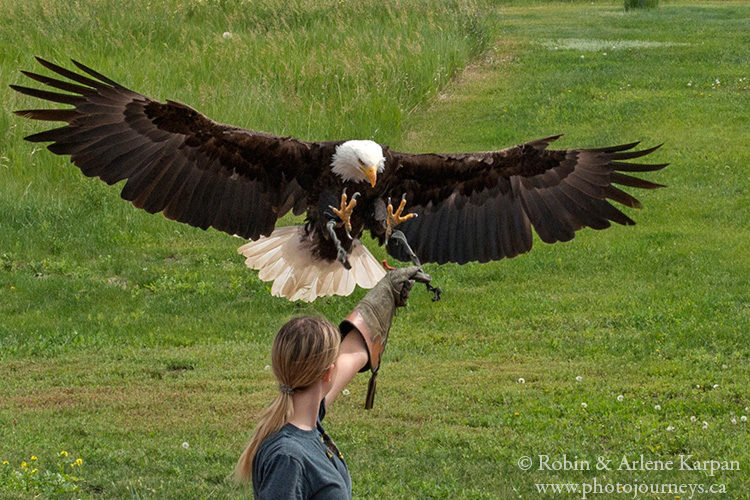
[{"x": 436, "y": 290}]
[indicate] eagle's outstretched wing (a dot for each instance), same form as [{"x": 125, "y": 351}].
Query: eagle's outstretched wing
[
  {"x": 481, "y": 206},
  {"x": 175, "y": 160}
]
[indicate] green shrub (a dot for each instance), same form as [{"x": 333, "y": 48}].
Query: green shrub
[{"x": 641, "y": 4}]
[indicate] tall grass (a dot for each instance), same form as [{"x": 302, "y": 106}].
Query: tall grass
[{"x": 641, "y": 4}]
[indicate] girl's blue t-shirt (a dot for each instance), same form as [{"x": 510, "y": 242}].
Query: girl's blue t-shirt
[{"x": 298, "y": 464}]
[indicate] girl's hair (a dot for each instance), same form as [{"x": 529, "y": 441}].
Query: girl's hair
[{"x": 302, "y": 351}]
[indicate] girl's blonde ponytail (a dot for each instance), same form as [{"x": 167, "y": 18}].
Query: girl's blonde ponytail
[{"x": 302, "y": 351}]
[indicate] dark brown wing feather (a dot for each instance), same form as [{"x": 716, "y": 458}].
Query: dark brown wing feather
[
  {"x": 481, "y": 206},
  {"x": 175, "y": 160}
]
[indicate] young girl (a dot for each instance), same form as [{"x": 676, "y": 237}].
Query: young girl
[{"x": 290, "y": 455}]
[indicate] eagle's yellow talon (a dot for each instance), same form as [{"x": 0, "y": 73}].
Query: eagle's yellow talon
[
  {"x": 345, "y": 212},
  {"x": 395, "y": 218}
]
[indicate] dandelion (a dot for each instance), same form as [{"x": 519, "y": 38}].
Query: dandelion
[
  {"x": 185, "y": 445},
  {"x": 657, "y": 407},
  {"x": 693, "y": 419},
  {"x": 516, "y": 414},
  {"x": 267, "y": 367},
  {"x": 734, "y": 421},
  {"x": 705, "y": 425},
  {"x": 725, "y": 366},
  {"x": 226, "y": 35},
  {"x": 521, "y": 381},
  {"x": 63, "y": 453},
  {"x": 743, "y": 418},
  {"x": 697, "y": 386},
  {"x": 620, "y": 398},
  {"x": 670, "y": 428},
  {"x": 582, "y": 56},
  {"x": 604, "y": 53},
  {"x": 24, "y": 464},
  {"x": 345, "y": 392},
  {"x": 579, "y": 378},
  {"x": 584, "y": 405},
  {"x": 79, "y": 462},
  {"x": 716, "y": 386},
  {"x": 33, "y": 457},
  {"x": 690, "y": 84}
]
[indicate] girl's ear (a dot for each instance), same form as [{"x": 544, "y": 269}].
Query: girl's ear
[{"x": 329, "y": 373}]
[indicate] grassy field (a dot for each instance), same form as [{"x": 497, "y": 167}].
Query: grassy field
[{"x": 124, "y": 335}]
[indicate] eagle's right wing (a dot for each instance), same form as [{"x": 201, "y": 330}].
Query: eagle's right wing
[{"x": 175, "y": 160}]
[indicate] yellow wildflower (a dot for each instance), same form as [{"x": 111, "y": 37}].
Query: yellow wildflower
[
  {"x": 12, "y": 288},
  {"x": 5, "y": 462},
  {"x": 33, "y": 457},
  {"x": 63, "y": 453},
  {"x": 24, "y": 464},
  {"x": 79, "y": 462},
  {"x": 34, "y": 471}
]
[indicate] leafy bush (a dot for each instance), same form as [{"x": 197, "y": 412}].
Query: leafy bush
[{"x": 641, "y": 4}]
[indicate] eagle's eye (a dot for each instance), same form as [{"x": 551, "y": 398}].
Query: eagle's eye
[{"x": 360, "y": 161}]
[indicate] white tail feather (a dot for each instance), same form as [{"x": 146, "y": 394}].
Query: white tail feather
[{"x": 285, "y": 258}]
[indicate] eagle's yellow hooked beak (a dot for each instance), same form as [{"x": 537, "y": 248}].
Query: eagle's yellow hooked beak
[{"x": 372, "y": 174}]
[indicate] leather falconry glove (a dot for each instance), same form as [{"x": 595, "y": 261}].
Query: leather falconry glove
[{"x": 372, "y": 316}]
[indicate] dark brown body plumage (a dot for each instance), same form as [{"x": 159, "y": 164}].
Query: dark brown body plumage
[{"x": 471, "y": 207}]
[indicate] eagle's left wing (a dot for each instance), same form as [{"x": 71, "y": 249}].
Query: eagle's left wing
[
  {"x": 174, "y": 159},
  {"x": 481, "y": 206}
]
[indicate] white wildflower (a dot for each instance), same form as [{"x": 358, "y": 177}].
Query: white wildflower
[
  {"x": 693, "y": 418},
  {"x": 226, "y": 35},
  {"x": 267, "y": 367},
  {"x": 705, "y": 425},
  {"x": 584, "y": 405},
  {"x": 185, "y": 445},
  {"x": 716, "y": 386},
  {"x": 521, "y": 381},
  {"x": 604, "y": 53},
  {"x": 725, "y": 366},
  {"x": 670, "y": 428},
  {"x": 743, "y": 418},
  {"x": 657, "y": 407},
  {"x": 734, "y": 421},
  {"x": 620, "y": 398},
  {"x": 345, "y": 392},
  {"x": 582, "y": 56},
  {"x": 579, "y": 378}
]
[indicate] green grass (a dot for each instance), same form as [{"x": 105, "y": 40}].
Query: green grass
[{"x": 123, "y": 335}]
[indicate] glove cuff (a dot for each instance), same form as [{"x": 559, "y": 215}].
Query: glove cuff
[{"x": 375, "y": 347}]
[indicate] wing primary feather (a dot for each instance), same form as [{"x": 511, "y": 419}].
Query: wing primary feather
[
  {"x": 637, "y": 167},
  {"x": 69, "y": 74},
  {"x": 621, "y": 196},
  {"x": 95, "y": 74},
  {"x": 627, "y": 180},
  {"x": 614, "y": 149},
  {"x": 49, "y": 115},
  {"x": 59, "y": 84},
  {"x": 633, "y": 154},
  {"x": 47, "y": 95}
]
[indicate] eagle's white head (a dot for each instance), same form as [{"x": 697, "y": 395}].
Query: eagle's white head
[{"x": 358, "y": 161}]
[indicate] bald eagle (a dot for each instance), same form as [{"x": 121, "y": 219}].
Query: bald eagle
[{"x": 461, "y": 207}]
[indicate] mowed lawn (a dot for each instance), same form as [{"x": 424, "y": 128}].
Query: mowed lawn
[{"x": 140, "y": 345}]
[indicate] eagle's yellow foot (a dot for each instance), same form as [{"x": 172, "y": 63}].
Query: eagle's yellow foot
[
  {"x": 345, "y": 212},
  {"x": 395, "y": 218}
]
